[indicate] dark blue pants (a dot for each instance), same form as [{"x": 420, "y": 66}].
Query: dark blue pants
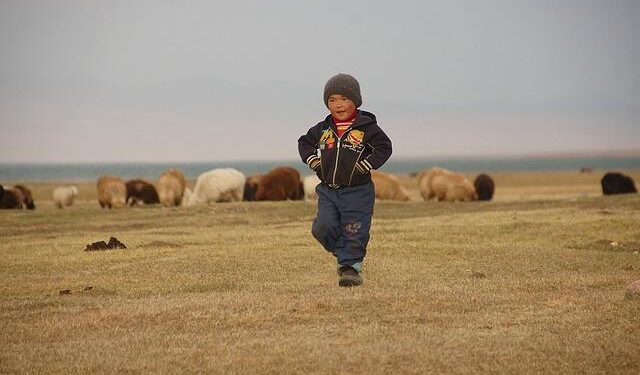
[{"x": 343, "y": 221}]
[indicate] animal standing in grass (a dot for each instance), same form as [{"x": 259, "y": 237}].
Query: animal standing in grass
[
  {"x": 388, "y": 187},
  {"x": 64, "y": 196},
  {"x": 11, "y": 199},
  {"x": 217, "y": 185},
  {"x": 171, "y": 185},
  {"x": 309, "y": 185},
  {"x": 484, "y": 186},
  {"x": 280, "y": 184},
  {"x": 617, "y": 183},
  {"x": 112, "y": 192},
  {"x": 251, "y": 187},
  {"x": 27, "y": 198},
  {"x": 445, "y": 185},
  {"x": 141, "y": 191}
]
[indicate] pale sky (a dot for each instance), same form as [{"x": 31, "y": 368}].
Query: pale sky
[{"x": 104, "y": 81}]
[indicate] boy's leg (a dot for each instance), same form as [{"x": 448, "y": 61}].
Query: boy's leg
[
  {"x": 356, "y": 209},
  {"x": 326, "y": 226}
]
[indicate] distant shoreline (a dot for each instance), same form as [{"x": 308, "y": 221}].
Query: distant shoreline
[{"x": 542, "y": 155}]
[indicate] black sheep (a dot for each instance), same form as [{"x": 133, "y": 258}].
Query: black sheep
[
  {"x": 141, "y": 191},
  {"x": 484, "y": 186},
  {"x": 617, "y": 183}
]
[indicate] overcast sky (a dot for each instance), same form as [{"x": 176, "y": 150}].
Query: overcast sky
[{"x": 177, "y": 80}]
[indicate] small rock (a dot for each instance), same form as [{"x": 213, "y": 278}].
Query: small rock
[
  {"x": 633, "y": 291},
  {"x": 101, "y": 245},
  {"x": 65, "y": 292},
  {"x": 115, "y": 244}
]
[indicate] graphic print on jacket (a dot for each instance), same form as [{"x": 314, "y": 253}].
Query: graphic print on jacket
[{"x": 362, "y": 147}]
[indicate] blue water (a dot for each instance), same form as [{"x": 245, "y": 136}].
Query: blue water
[{"x": 83, "y": 172}]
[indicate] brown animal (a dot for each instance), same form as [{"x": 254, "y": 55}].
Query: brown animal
[
  {"x": 251, "y": 187},
  {"x": 112, "y": 192},
  {"x": 484, "y": 186},
  {"x": 280, "y": 184},
  {"x": 388, "y": 187},
  {"x": 27, "y": 198},
  {"x": 11, "y": 199},
  {"x": 171, "y": 185},
  {"x": 445, "y": 185},
  {"x": 141, "y": 191}
]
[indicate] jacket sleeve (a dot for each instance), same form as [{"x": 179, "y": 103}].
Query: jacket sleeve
[
  {"x": 380, "y": 149},
  {"x": 308, "y": 144}
]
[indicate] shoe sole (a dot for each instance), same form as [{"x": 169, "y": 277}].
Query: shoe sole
[{"x": 349, "y": 282}]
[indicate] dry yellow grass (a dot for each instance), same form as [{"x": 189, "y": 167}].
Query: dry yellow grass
[{"x": 527, "y": 284}]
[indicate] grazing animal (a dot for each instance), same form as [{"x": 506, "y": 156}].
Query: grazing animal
[
  {"x": 217, "y": 185},
  {"x": 112, "y": 192},
  {"x": 617, "y": 183},
  {"x": 309, "y": 184},
  {"x": 141, "y": 191},
  {"x": 388, "y": 187},
  {"x": 11, "y": 199},
  {"x": 1, "y": 191},
  {"x": 63, "y": 196},
  {"x": 484, "y": 186},
  {"x": 27, "y": 198},
  {"x": 586, "y": 170},
  {"x": 171, "y": 185},
  {"x": 251, "y": 187},
  {"x": 445, "y": 185},
  {"x": 280, "y": 184}
]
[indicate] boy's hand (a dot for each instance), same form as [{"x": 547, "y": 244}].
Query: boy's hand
[
  {"x": 364, "y": 166},
  {"x": 314, "y": 162}
]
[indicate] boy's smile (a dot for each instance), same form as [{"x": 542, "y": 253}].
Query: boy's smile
[{"x": 341, "y": 107}]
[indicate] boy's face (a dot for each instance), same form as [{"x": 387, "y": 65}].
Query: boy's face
[{"x": 341, "y": 107}]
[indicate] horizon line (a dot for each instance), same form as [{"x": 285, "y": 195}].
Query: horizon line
[{"x": 507, "y": 156}]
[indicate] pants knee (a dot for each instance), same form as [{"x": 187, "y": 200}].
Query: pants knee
[{"x": 326, "y": 233}]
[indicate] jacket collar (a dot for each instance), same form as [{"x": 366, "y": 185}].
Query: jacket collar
[{"x": 362, "y": 118}]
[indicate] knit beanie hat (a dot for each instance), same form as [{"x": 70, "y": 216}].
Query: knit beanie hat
[{"x": 343, "y": 84}]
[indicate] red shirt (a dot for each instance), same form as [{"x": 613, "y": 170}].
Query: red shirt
[{"x": 342, "y": 126}]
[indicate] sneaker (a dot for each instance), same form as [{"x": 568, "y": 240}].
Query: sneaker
[{"x": 349, "y": 277}]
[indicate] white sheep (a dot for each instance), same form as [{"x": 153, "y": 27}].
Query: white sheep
[
  {"x": 217, "y": 185},
  {"x": 309, "y": 184},
  {"x": 63, "y": 196}
]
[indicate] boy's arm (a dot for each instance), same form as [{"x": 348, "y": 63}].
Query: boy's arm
[
  {"x": 381, "y": 150},
  {"x": 308, "y": 147}
]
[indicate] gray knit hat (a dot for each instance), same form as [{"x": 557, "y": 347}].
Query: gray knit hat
[{"x": 343, "y": 84}]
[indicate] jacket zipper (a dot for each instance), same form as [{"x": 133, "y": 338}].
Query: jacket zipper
[{"x": 335, "y": 169}]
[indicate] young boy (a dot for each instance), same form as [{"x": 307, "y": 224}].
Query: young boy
[{"x": 351, "y": 144}]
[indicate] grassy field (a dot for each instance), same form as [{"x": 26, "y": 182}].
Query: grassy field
[{"x": 530, "y": 283}]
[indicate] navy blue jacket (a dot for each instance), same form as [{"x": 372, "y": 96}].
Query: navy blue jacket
[{"x": 364, "y": 142}]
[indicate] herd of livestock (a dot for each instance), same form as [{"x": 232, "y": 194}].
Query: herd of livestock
[{"x": 282, "y": 183}]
